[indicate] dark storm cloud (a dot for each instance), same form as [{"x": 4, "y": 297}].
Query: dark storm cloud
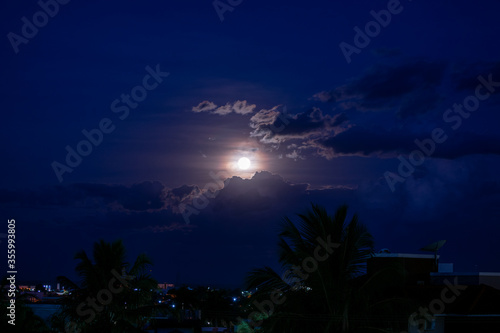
[
  {"x": 402, "y": 222},
  {"x": 142, "y": 196},
  {"x": 450, "y": 192},
  {"x": 47, "y": 196},
  {"x": 311, "y": 121},
  {"x": 145, "y": 196},
  {"x": 183, "y": 195},
  {"x": 340, "y": 119},
  {"x": 149, "y": 205},
  {"x": 273, "y": 126},
  {"x": 409, "y": 89},
  {"x": 419, "y": 102},
  {"x": 365, "y": 142},
  {"x": 465, "y": 76},
  {"x": 137, "y": 197},
  {"x": 180, "y": 193},
  {"x": 257, "y": 194},
  {"x": 249, "y": 210},
  {"x": 467, "y": 143}
]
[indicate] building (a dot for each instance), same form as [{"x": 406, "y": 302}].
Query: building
[{"x": 448, "y": 301}]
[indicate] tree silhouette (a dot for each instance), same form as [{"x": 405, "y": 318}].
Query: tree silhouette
[
  {"x": 322, "y": 287},
  {"x": 113, "y": 296}
]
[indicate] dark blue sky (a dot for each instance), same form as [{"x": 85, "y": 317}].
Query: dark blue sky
[{"x": 325, "y": 114}]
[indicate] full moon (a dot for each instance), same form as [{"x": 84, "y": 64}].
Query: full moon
[{"x": 243, "y": 163}]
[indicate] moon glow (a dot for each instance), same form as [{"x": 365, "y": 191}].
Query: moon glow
[{"x": 243, "y": 163}]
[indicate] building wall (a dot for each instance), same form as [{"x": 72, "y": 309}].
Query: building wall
[{"x": 417, "y": 268}]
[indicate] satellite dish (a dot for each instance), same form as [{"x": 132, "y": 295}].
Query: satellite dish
[{"x": 434, "y": 247}]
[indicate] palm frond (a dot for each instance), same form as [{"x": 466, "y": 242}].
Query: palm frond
[{"x": 265, "y": 279}]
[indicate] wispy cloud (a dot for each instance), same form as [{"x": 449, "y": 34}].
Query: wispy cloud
[
  {"x": 204, "y": 106},
  {"x": 239, "y": 107}
]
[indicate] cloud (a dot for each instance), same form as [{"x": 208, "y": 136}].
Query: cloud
[
  {"x": 146, "y": 206},
  {"x": 140, "y": 197},
  {"x": 181, "y": 196},
  {"x": 399, "y": 94},
  {"x": 295, "y": 155},
  {"x": 467, "y": 143},
  {"x": 264, "y": 117},
  {"x": 323, "y": 96},
  {"x": 274, "y": 127},
  {"x": 137, "y": 197},
  {"x": 464, "y": 75},
  {"x": 247, "y": 212},
  {"x": 304, "y": 132},
  {"x": 260, "y": 193},
  {"x": 360, "y": 141},
  {"x": 365, "y": 142},
  {"x": 223, "y": 110},
  {"x": 409, "y": 89},
  {"x": 204, "y": 107},
  {"x": 239, "y": 107},
  {"x": 339, "y": 119}
]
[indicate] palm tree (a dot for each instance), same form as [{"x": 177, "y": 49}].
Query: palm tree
[
  {"x": 113, "y": 296},
  {"x": 323, "y": 259}
]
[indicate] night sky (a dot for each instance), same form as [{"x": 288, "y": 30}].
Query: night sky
[{"x": 126, "y": 120}]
